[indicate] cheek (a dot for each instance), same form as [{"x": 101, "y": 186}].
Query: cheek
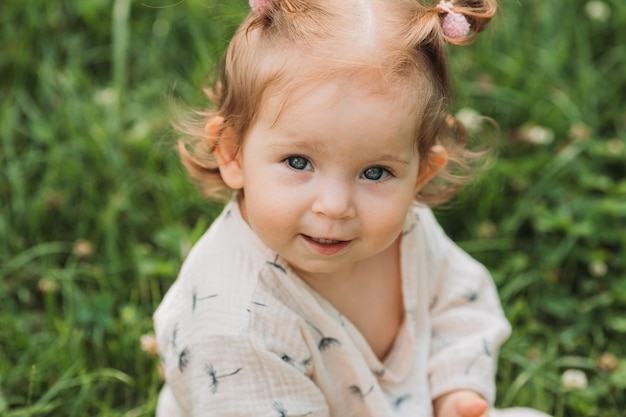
[
  {"x": 268, "y": 208},
  {"x": 387, "y": 225},
  {"x": 386, "y": 218}
]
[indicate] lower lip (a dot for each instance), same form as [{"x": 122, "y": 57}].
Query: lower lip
[{"x": 326, "y": 248}]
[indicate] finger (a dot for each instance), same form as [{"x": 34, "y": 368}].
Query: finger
[{"x": 473, "y": 406}]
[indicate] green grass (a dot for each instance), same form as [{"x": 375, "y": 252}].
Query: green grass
[{"x": 97, "y": 215}]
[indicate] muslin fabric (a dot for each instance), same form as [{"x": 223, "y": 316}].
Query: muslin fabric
[{"x": 240, "y": 334}]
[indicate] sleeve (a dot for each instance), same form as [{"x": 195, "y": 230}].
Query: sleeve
[
  {"x": 467, "y": 323},
  {"x": 236, "y": 376}
]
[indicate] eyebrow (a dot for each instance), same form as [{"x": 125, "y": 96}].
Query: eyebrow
[
  {"x": 316, "y": 148},
  {"x": 306, "y": 145},
  {"x": 393, "y": 158}
]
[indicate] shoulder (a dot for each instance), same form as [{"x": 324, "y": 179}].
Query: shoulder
[
  {"x": 423, "y": 231},
  {"x": 219, "y": 287},
  {"x": 431, "y": 245},
  {"x": 228, "y": 253},
  {"x": 221, "y": 271},
  {"x": 224, "y": 298}
]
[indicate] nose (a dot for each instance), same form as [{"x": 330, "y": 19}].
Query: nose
[{"x": 334, "y": 199}]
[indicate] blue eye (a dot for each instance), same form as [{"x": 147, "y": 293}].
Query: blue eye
[
  {"x": 298, "y": 162},
  {"x": 375, "y": 173}
]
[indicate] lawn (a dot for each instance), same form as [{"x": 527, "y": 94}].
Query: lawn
[{"x": 97, "y": 214}]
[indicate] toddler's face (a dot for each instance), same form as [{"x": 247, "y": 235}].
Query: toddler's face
[{"x": 328, "y": 183}]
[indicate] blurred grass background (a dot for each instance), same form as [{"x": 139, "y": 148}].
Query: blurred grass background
[{"x": 97, "y": 215}]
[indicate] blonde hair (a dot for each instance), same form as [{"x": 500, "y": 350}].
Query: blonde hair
[{"x": 303, "y": 41}]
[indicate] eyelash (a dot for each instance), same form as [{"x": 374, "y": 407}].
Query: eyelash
[
  {"x": 289, "y": 161},
  {"x": 384, "y": 174}
]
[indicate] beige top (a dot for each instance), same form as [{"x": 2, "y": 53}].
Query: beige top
[{"x": 241, "y": 335}]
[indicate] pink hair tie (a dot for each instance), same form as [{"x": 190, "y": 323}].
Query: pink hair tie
[
  {"x": 262, "y": 7},
  {"x": 455, "y": 25}
]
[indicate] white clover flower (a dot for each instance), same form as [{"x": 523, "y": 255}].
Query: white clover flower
[
  {"x": 161, "y": 28},
  {"x": 83, "y": 249},
  {"x": 106, "y": 97},
  {"x": 48, "y": 285},
  {"x": 580, "y": 131},
  {"x": 536, "y": 135},
  {"x": 573, "y": 379},
  {"x": 608, "y": 362},
  {"x": 615, "y": 146},
  {"x": 597, "y": 10},
  {"x": 470, "y": 118},
  {"x": 149, "y": 344},
  {"x": 487, "y": 229},
  {"x": 598, "y": 269}
]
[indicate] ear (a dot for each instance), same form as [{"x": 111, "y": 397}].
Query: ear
[
  {"x": 433, "y": 164},
  {"x": 225, "y": 147}
]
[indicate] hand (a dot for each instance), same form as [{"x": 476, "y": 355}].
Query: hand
[{"x": 461, "y": 403}]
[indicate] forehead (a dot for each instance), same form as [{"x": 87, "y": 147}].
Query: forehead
[
  {"x": 347, "y": 94},
  {"x": 340, "y": 115}
]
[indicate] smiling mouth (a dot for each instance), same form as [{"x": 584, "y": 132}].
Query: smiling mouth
[
  {"x": 325, "y": 246},
  {"x": 325, "y": 241}
]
